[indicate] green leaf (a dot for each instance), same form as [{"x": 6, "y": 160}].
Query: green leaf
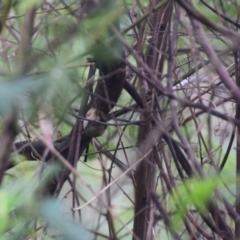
[
  {"x": 192, "y": 193},
  {"x": 23, "y": 6},
  {"x": 69, "y": 230},
  {"x": 4, "y": 210}
]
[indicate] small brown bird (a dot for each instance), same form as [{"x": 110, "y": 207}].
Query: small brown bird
[{"x": 92, "y": 128}]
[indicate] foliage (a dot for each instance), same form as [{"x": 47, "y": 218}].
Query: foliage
[{"x": 165, "y": 170}]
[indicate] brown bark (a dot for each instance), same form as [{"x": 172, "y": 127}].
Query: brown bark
[
  {"x": 7, "y": 137},
  {"x": 146, "y": 169},
  {"x": 237, "y": 223}
]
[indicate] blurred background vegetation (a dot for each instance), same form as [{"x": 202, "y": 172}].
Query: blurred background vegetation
[{"x": 46, "y": 50}]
